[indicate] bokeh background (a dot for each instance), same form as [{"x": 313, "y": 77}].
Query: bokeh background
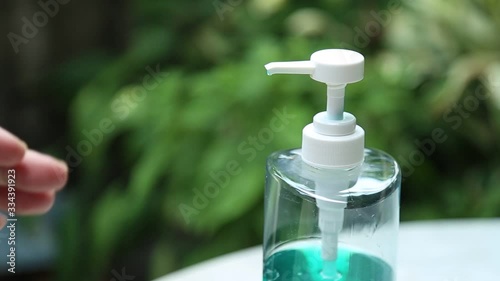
[{"x": 146, "y": 100}]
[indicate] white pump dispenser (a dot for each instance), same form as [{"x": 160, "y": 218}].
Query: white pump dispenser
[{"x": 333, "y": 141}]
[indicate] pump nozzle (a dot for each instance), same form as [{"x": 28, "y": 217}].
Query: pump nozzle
[{"x": 292, "y": 67}]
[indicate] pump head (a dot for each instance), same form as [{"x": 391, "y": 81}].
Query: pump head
[{"x": 333, "y": 140}]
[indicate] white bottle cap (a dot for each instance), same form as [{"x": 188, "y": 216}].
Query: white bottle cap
[{"x": 333, "y": 140}]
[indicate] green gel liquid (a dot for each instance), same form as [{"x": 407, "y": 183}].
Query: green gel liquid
[{"x": 303, "y": 263}]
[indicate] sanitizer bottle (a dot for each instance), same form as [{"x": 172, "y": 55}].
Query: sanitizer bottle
[{"x": 331, "y": 207}]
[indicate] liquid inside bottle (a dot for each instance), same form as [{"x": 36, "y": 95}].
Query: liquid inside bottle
[{"x": 301, "y": 260}]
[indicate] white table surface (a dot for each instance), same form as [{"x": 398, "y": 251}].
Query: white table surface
[{"x": 446, "y": 250}]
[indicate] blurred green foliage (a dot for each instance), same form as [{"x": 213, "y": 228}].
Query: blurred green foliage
[{"x": 213, "y": 94}]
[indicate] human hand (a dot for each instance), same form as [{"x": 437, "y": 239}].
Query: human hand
[{"x": 37, "y": 177}]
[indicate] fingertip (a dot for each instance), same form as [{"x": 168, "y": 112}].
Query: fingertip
[
  {"x": 61, "y": 172},
  {"x": 24, "y": 145},
  {"x": 48, "y": 199},
  {"x": 12, "y": 149},
  {"x": 40, "y": 172}
]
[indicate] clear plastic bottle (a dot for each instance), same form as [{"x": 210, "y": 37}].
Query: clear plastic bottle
[{"x": 367, "y": 241}]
